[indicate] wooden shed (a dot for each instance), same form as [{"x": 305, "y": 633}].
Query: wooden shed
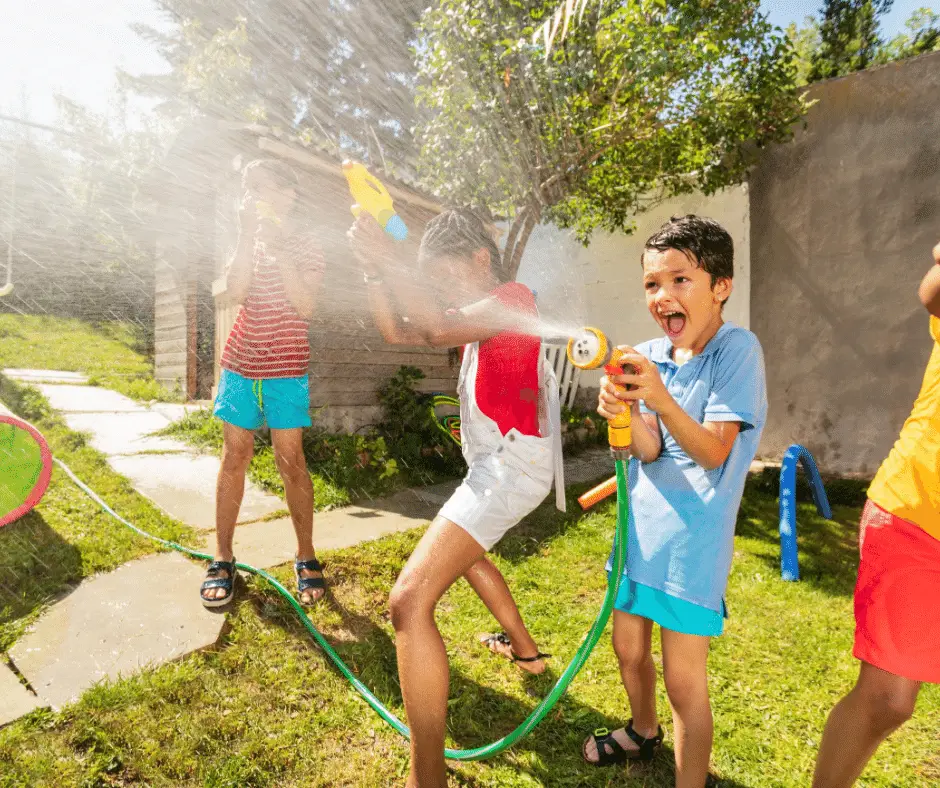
[{"x": 194, "y": 200}]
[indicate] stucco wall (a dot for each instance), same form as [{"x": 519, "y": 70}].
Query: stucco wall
[
  {"x": 842, "y": 223},
  {"x": 601, "y": 285}
]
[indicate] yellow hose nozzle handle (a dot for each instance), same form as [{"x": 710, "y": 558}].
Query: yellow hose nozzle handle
[{"x": 591, "y": 350}]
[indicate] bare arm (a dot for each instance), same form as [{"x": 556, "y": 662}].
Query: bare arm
[
  {"x": 436, "y": 327},
  {"x": 240, "y": 269},
  {"x": 707, "y": 444},
  {"x": 387, "y": 320},
  {"x": 400, "y": 292},
  {"x": 930, "y": 288},
  {"x": 302, "y": 274}
]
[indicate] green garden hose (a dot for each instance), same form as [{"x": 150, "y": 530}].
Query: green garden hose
[{"x": 537, "y": 714}]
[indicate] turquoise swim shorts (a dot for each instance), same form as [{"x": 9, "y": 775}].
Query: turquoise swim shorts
[{"x": 284, "y": 403}]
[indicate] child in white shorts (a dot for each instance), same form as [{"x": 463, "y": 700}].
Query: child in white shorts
[{"x": 510, "y": 433}]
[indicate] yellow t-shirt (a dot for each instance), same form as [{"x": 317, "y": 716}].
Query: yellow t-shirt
[{"x": 908, "y": 483}]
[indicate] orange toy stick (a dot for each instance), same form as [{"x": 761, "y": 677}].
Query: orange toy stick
[{"x": 599, "y": 493}]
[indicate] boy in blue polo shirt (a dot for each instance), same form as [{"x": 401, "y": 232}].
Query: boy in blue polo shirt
[{"x": 699, "y": 404}]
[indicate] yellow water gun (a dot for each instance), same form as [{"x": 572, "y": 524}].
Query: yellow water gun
[{"x": 372, "y": 197}]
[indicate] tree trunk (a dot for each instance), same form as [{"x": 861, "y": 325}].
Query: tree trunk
[{"x": 519, "y": 233}]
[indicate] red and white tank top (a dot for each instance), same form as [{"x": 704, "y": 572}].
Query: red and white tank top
[{"x": 269, "y": 338}]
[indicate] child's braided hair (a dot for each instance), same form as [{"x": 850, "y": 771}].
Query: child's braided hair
[{"x": 459, "y": 233}]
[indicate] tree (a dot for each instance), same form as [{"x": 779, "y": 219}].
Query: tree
[
  {"x": 339, "y": 73},
  {"x": 923, "y": 35},
  {"x": 624, "y": 106},
  {"x": 806, "y": 43},
  {"x": 849, "y": 37}
]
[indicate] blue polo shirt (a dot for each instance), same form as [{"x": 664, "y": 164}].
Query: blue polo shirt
[{"x": 682, "y": 517}]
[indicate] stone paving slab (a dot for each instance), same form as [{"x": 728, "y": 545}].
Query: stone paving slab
[
  {"x": 15, "y": 699},
  {"x": 183, "y": 485},
  {"x": 173, "y": 411},
  {"x": 45, "y": 376},
  {"x": 271, "y": 543},
  {"x": 125, "y": 432},
  {"x": 114, "y": 625},
  {"x": 86, "y": 399}
]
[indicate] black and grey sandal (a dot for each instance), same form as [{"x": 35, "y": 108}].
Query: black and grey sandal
[
  {"x": 610, "y": 751},
  {"x": 503, "y": 639},
  {"x": 309, "y": 583},
  {"x": 215, "y": 579}
]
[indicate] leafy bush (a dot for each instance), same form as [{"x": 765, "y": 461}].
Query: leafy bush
[{"x": 413, "y": 433}]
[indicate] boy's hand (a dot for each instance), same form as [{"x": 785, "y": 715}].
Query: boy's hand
[
  {"x": 644, "y": 382},
  {"x": 936, "y": 254},
  {"x": 370, "y": 244}
]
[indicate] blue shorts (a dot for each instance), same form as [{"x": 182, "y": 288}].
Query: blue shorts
[
  {"x": 668, "y": 611},
  {"x": 284, "y": 403}
]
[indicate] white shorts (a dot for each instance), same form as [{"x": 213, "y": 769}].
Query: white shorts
[{"x": 494, "y": 496}]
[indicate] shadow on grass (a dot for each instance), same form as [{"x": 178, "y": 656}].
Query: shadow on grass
[
  {"x": 36, "y": 566},
  {"x": 828, "y": 549}
]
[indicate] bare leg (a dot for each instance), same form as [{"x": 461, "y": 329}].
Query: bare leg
[
  {"x": 444, "y": 554},
  {"x": 490, "y": 586},
  {"x": 878, "y": 705},
  {"x": 633, "y": 646},
  {"x": 685, "y": 670},
  {"x": 298, "y": 489},
  {"x": 238, "y": 446}
]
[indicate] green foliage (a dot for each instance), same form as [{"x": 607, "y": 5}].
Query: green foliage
[
  {"x": 847, "y": 49},
  {"x": 582, "y": 428},
  {"x": 336, "y": 74},
  {"x": 343, "y": 468},
  {"x": 638, "y": 102},
  {"x": 922, "y": 36},
  {"x": 806, "y": 42},
  {"x": 849, "y": 40},
  {"x": 412, "y": 431}
]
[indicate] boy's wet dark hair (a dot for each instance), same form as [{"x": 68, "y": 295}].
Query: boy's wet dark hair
[
  {"x": 706, "y": 240},
  {"x": 458, "y": 233}
]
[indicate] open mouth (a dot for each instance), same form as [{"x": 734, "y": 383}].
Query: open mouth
[{"x": 674, "y": 323}]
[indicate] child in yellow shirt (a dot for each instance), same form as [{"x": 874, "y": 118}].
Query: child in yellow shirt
[{"x": 897, "y": 598}]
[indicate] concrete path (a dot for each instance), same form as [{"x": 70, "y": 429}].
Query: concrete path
[{"x": 115, "y": 624}]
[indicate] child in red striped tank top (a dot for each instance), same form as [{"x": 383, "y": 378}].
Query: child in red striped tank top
[{"x": 274, "y": 275}]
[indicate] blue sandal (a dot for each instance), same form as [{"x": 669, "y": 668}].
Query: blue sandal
[
  {"x": 309, "y": 583},
  {"x": 215, "y": 579}
]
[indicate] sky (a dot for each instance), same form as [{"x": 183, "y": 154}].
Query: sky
[{"x": 74, "y": 46}]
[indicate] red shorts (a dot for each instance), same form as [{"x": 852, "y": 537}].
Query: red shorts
[{"x": 897, "y": 597}]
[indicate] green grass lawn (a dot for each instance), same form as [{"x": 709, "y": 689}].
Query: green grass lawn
[
  {"x": 67, "y": 537},
  {"x": 267, "y": 709},
  {"x": 109, "y": 353}
]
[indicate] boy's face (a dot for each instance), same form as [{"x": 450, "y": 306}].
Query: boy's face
[{"x": 681, "y": 299}]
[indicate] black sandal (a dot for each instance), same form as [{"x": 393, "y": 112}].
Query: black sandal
[
  {"x": 309, "y": 583},
  {"x": 503, "y": 639},
  {"x": 214, "y": 579},
  {"x": 603, "y": 739}
]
